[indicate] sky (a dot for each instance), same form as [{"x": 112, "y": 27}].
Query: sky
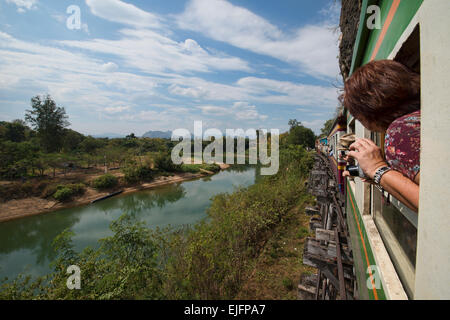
[{"x": 134, "y": 66}]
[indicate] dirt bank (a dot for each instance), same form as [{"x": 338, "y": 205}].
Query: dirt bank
[{"x": 16, "y": 209}]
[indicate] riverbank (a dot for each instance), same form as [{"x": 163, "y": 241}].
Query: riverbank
[{"x": 16, "y": 209}]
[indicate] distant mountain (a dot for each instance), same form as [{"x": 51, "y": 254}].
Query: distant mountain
[
  {"x": 158, "y": 134},
  {"x": 109, "y": 135}
]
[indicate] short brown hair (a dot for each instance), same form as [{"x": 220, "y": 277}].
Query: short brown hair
[{"x": 381, "y": 91}]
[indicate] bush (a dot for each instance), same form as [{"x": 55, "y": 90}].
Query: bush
[
  {"x": 211, "y": 167},
  {"x": 163, "y": 162},
  {"x": 138, "y": 174},
  {"x": 195, "y": 168},
  {"x": 288, "y": 284},
  {"x": 49, "y": 191},
  {"x": 67, "y": 192},
  {"x": 77, "y": 188},
  {"x": 124, "y": 266},
  {"x": 106, "y": 181},
  {"x": 191, "y": 168},
  {"x": 63, "y": 194}
]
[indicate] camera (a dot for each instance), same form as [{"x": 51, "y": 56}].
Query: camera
[
  {"x": 355, "y": 171},
  {"x": 344, "y": 144}
]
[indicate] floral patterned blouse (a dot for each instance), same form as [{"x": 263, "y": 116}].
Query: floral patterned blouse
[{"x": 402, "y": 144}]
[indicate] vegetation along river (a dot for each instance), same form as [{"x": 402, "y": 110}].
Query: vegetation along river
[{"x": 26, "y": 244}]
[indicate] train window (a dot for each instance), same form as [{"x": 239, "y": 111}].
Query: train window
[
  {"x": 396, "y": 228},
  {"x": 409, "y": 54},
  {"x": 397, "y": 224},
  {"x": 399, "y": 234}
]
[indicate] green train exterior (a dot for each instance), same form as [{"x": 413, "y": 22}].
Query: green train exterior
[{"x": 398, "y": 253}]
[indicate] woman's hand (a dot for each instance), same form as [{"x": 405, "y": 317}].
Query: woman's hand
[
  {"x": 347, "y": 174},
  {"x": 368, "y": 155}
]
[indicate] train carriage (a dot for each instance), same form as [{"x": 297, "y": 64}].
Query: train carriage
[
  {"x": 336, "y": 158},
  {"x": 398, "y": 253}
]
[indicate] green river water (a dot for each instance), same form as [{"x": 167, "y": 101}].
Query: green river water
[{"x": 25, "y": 244}]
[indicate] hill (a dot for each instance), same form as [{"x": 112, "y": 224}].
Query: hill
[{"x": 158, "y": 134}]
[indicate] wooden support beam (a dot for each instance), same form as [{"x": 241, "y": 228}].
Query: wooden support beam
[
  {"x": 329, "y": 275},
  {"x": 319, "y": 279},
  {"x": 314, "y": 223},
  {"x": 311, "y": 211},
  {"x": 342, "y": 291},
  {"x": 324, "y": 235},
  {"x": 329, "y": 251},
  {"x": 308, "y": 289},
  {"x": 340, "y": 216}
]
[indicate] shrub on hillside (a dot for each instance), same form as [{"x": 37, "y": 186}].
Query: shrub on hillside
[
  {"x": 195, "y": 168},
  {"x": 163, "y": 162},
  {"x": 191, "y": 168},
  {"x": 68, "y": 191},
  {"x": 106, "y": 181},
  {"x": 77, "y": 188},
  {"x": 211, "y": 167},
  {"x": 63, "y": 194},
  {"x": 138, "y": 174}
]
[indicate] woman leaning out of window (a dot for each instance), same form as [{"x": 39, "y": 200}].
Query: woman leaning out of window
[{"x": 385, "y": 97}]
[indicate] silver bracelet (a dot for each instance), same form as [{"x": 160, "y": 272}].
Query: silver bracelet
[{"x": 379, "y": 173}]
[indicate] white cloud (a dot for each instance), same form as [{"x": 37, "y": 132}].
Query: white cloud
[
  {"x": 289, "y": 93},
  {"x": 214, "y": 110},
  {"x": 239, "y": 111},
  {"x": 261, "y": 90},
  {"x": 24, "y": 5},
  {"x": 315, "y": 125},
  {"x": 198, "y": 88},
  {"x": 124, "y": 13},
  {"x": 332, "y": 12},
  {"x": 245, "y": 111},
  {"x": 114, "y": 110},
  {"x": 109, "y": 67},
  {"x": 63, "y": 19},
  {"x": 152, "y": 52},
  {"x": 314, "y": 48},
  {"x": 59, "y": 17},
  {"x": 30, "y": 67}
]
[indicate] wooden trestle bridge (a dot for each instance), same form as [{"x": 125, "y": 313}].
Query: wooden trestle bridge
[{"x": 330, "y": 250}]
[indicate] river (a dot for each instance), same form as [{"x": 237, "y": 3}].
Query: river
[{"x": 25, "y": 244}]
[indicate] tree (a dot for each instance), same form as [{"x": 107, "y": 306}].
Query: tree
[
  {"x": 294, "y": 123},
  {"x": 49, "y": 121},
  {"x": 163, "y": 162},
  {"x": 327, "y": 127},
  {"x": 15, "y": 131},
  {"x": 90, "y": 144},
  {"x": 300, "y": 135},
  {"x": 71, "y": 140}
]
